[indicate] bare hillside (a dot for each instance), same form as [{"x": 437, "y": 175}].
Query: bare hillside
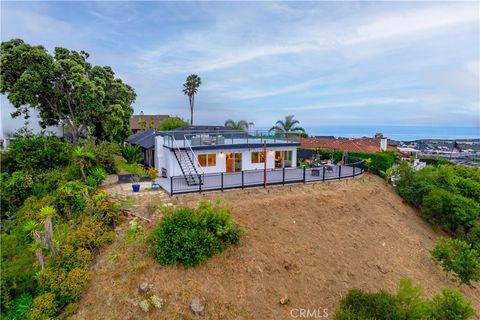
[{"x": 311, "y": 242}]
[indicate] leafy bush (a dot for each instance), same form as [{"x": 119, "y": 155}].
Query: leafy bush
[
  {"x": 67, "y": 286},
  {"x": 473, "y": 237},
  {"x": 91, "y": 233},
  {"x": 469, "y": 188},
  {"x": 95, "y": 177},
  {"x": 37, "y": 153},
  {"x": 363, "y": 305},
  {"x": 105, "y": 153},
  {"x": 457, "y": 256},
  {"x": 189, "y": 236},
  {"x": 450, "y": 210},
  {"x": 17, "y": 268},
  {"x": 172, "y": 123},
  {"x": 44, "y": 307},
  {"x": 407, "y": 303},
  {"x": 15, "y": 188},
  {"x": 132, "y": 153},
  {"x": 450, "y": 305},
  {"x": 134, "y": 168},
  {"x": 21, "y": 308},
  {"x": 72, "y": 198}
]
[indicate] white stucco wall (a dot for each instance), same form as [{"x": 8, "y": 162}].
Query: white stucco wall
[{"x": 166, "y": 158}]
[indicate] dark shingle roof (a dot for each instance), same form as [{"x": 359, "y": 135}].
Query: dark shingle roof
[{"x": 145, "y": 139}]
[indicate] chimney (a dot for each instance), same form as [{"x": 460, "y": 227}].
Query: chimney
[{"x": 383, "y": 144}]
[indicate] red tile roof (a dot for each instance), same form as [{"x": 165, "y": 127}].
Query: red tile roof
[{"x": 366, "y": 145}]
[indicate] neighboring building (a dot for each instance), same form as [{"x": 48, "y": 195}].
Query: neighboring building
[
  {"x": 194, "y": 150},
  {"x": 146, "y": 141},
  {"x": 142, "y": 122},
  {"x": 411, "y": 154},
  {"x": 365, "y": 145}
]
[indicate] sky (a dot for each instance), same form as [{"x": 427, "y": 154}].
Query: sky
[{"x": 328, "y": 63}]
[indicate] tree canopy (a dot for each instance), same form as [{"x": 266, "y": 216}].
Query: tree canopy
[
  {"x": 287, "y": 126},
  {"x": 190, "y": 88},
  {"x": 66, "y": 90},
  {"x": 172, "y": 123},
  {"x": 237, "y": 125}
]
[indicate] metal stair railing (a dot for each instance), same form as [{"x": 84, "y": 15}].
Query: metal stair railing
[
  {"x": 186, "y": 163},
  {"x": 193, "y": 155}
]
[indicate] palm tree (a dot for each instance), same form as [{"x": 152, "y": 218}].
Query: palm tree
[
  {"x": 288, "y": 126},
  {"x": 190, "y": 87},
  {"x": 83, "y": 158},
  {"x": 239, "y": 125}
]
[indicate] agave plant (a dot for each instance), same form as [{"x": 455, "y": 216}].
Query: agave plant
[{"x": 131, "y": 153}]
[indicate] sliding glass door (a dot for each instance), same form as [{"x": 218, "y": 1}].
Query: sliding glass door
[{"x": 233, "y": 162}]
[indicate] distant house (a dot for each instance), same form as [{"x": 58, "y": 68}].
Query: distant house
[
  {"x": 142, "y": 122},
  {"x": 146, "y": 141},
  {"x": 364, "y": 145}
]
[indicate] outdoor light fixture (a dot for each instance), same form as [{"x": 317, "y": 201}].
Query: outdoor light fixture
[{"x": 221, "y": 154}]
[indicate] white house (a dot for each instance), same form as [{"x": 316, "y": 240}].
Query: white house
[{"x": 191, "y": 151}]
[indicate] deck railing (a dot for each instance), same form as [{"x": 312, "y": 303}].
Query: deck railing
[
  {"x": 230, "y": 137},
  {"x": 254, "y": 178}
]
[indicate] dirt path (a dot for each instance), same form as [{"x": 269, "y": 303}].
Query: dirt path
[{"x": 311, "y": 242}]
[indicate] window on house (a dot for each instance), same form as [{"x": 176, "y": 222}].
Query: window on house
[
  {"x": 207, "y": 160},
  {"x": 258, "y": 157}
]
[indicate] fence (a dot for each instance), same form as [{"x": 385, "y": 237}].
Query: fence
[{"x": 255, "y": 178}]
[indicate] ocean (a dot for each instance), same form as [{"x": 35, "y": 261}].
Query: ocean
[{"x": 401, "y": 133}]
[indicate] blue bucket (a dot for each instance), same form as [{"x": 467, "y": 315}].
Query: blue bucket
[{"x": 136, "y": 187}]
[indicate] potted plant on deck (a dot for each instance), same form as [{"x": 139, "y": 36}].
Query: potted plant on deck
[
  {"x": 135, "y": 182},
  {"x": 153, "y": 173}
]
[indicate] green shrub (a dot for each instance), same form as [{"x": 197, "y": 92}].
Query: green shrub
[
  {"x": 17, "y": 268},
  {"x": 189, "y": 236},
  {"x": 134, "y": 168},
  {"x": 172, "y": 123},
  {"x": 450, "y": 304},
  {"x": 37, "y": 153},
  {"x": 67, "y": 286},
  {"x": 105, "y": 153},
  {"x": 457, "y": 256},
  {"x": 363, "y": 305},
  {"x": 70, "y": 258},
  {"x": 45, "y": 306},
  {"x": 450, "y": 210},
  {"x": 472, "y": 237},
  {"x": 21, "y": 307},
  {"x": 91, "y": 233},
  {"x": 95, "y": 177},
  {"x": 407, "y": 303},
  {"x": 131, "y": 153},
  {"x": 71, "y": 198},
  {"x": 49, "y": 181},
  {"x": 15, "y": 188},
  {"x": 469, "y": 188}
]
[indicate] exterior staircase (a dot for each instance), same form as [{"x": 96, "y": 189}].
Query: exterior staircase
[{"x": 189, "y": 171}]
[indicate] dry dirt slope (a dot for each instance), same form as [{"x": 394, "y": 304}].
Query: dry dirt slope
[{"x": 312, "y": 242}]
